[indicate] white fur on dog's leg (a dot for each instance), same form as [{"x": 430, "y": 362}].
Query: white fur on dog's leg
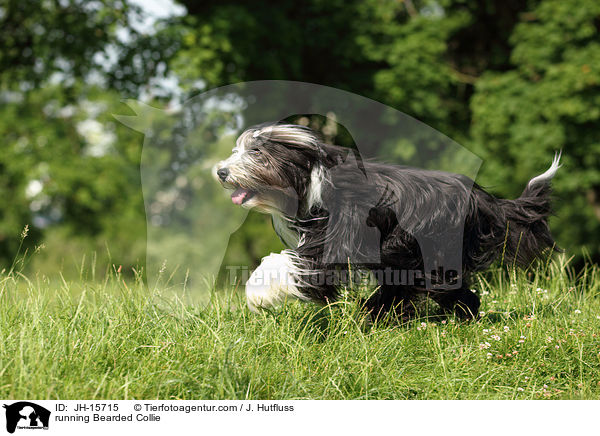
[{"x": 274, "y": 281}]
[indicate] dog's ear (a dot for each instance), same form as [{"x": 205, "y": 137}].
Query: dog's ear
[
  {"x": 336, "y": 156},
  {"x": 333, "y": 155}
]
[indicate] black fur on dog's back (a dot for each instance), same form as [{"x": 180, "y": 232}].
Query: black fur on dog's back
[
  {"x": 411, "y": 202},
  {"x": 409, "y": 206}
]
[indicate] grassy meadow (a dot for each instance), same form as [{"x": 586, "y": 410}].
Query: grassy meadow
[{"x": 538, "y": 337}]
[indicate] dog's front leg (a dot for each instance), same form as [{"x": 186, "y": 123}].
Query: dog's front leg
[{"x": 277, "y": 278}]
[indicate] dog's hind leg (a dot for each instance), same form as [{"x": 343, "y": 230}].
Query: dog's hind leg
[
  {"x": 463, "y": 302},
  {"x": 388, "y": 300}
]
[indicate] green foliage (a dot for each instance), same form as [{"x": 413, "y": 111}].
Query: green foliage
[
  {"x": 67, "y": 40},
  {"x": 549, "y": 101},
  {"x": 64, "y": 166}
]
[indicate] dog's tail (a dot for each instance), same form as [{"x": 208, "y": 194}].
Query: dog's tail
[{"x": 527, "y": 234}]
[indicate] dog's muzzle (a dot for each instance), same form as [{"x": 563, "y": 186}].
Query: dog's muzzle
[
  {"x": 240, "y": 195},
  {"x": 223, "y": 173}
]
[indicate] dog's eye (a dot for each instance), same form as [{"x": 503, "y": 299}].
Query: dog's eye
[{"x": 254, "y": 151}]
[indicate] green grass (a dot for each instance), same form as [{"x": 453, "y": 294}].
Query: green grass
[{"x": 538, "y": 338}]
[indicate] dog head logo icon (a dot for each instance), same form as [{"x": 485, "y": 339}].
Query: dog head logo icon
[{"x": 26, "y": 415}]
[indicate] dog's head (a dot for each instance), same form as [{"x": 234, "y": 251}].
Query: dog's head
[{"x": 270, "y": 167}]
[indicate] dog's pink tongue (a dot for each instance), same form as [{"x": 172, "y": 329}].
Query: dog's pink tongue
[{"x": 238, "y": 195}]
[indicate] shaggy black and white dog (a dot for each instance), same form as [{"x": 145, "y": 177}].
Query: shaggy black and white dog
[{"x": 419, "y": 232}]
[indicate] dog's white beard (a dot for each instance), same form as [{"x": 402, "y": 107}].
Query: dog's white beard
[{"x": 273, "y": 282}]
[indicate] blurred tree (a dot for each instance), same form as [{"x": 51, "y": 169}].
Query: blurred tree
[
  {"x": 548, "y": 100},
  {"x": 422, "y": 57},
  {"x": 66, "y": 166},
  {"x": 62, "y": 166},
  {"x": 60, "y": 42}
]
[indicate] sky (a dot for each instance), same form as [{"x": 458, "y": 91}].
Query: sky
[{"x": 156, "y": 9}]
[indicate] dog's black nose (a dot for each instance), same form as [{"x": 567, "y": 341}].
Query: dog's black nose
[{"x": 222, "y": 173}]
